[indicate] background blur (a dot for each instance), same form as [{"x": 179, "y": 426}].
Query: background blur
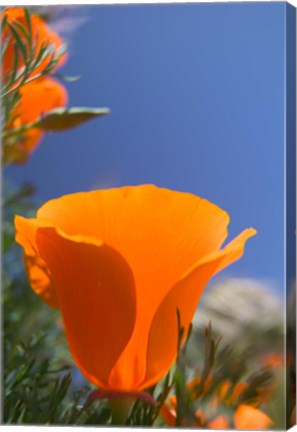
[{"x": 196, "y": 93}]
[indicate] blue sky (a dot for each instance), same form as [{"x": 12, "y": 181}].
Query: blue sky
[{"x": 196, "y": 93}]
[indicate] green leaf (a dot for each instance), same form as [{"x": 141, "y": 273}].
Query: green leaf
[
  {"x": 66, "y": 78},
  {"x": 66, "y": 118},
  {"x": 18, "y": 41},
  {"x": 40, "y": 55},
  {"x": 28, "y": 22},
  {"x": 22, "y": 30},
  {"x": 5, "y": 44},
  {"x": 4, "y": 23},
  {"x": 15, "y": 65}
]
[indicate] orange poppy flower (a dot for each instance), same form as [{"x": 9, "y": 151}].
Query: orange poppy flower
[
  {"x": 37, "y": 97},
  {"x": 273, "y": 360},
  {"x": 118, "y": 263},
  {"x": 41, "y": 34},
  {"x": 245, "y": 416}
]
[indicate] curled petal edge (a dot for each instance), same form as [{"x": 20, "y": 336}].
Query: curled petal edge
[
  {"x": 26, "y": 231},
  {"x": 199, "y": 275}
]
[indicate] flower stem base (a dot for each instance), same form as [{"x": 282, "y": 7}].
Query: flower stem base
[{"x": 119, "y": 410}]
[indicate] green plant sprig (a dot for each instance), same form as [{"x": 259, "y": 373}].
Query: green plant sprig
[{"x": 26, "y": 48}]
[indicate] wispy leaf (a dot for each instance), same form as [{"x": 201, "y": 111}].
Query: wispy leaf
[
  {"x": 66, "y": 78},
  {"x": 22, "y": 30},
  {"x": 18, "y": 41},
  {"x": 61, "y": 119}
]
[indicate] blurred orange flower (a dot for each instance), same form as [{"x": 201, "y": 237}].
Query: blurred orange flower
[
  {"x": 245, "y": 416},
  {"x": 118, "y": 263},
  {"x": 42, "y": 35},
  {"x": 273, "y": 360},
  {"x": 38, "y": 97}
]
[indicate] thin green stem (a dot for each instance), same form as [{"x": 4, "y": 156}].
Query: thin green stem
[
  {"x": 27, "y": 81},
  {"x": 19, "y": 130},
  {"x": 119, "y": 410}
]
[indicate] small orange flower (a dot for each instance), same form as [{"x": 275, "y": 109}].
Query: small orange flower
[
  {"x": 245, "y": 416},
  {"x": 38, "y": 97},
  {"x": 41, "y": 34},
  {"x": 273, "y": 360},
  {"x": 118, "y": 263}
]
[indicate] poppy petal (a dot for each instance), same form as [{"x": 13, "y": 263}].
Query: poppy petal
[
  {"x": 96, "y": 292},
  {"x": 169, "y": 240},
  {"x": 37, "y": 271},
  {"x": 40, "y": 280},
  {"x": 247, "y": 417},
  {"x": 38, "y": 97},
  {"x": 184, "y": 296},
  {"x": 220, "y": 422},
  {"x": 161, "y": 233},
  {"x": 168, "y": 414}
]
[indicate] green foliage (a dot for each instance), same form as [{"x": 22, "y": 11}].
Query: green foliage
[
  {"x": 37, "y": 394},
  {"x": 27, "y": 49},
  {"x": 27, "y": 53},
  {"x": 31, "y": 54},
  {"x": 145, "y": 414}
]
